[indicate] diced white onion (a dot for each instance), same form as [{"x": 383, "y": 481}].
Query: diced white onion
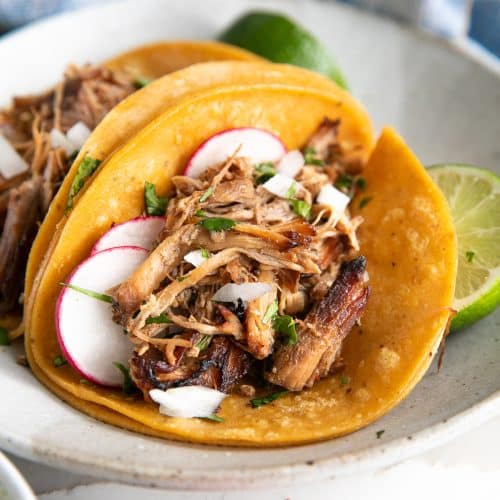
[
  {"x": 231, "y": 292},
  {"x": 336, "y": 199},
  {"x": 188, "y": 402},
  {"x": 195, "y": 258},
  {"x": 78, "y": 134},
  {"x": 291, "y": 163},
  {"x": 11, "y": 164},
  {"x": 59, "y": 140},
  {"x": 280, "y": 185}
]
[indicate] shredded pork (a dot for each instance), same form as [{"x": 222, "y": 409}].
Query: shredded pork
[
  {"x": 318, "y": 285},
  {"x": 86, "y": 94}
]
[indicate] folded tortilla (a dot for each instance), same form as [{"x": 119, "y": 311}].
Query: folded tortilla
[
  {"x": 407, "y": 238},
  {"x": 139, "y": 109}
]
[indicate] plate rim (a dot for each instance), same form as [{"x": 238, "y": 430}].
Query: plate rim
[{"x": 373, "y": 457}]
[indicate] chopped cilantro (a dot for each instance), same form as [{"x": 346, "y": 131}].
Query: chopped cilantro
[
  {"x": 300, "y": 207},
  {"x": 290, "y": 194},
  {"x": 364, "y": 201},
  {"x": 141, "y": 82},
  {"x": 86, "y": 168},
  {"x": 286, "y": 326},
  {"x": 265, "y": 171},
  {"x": 344, "y": 182},
  {"x": 200, "y": 213},
  {"x": 90, "y": 293},
  {"x": 154, "y": 204},
  {"x": 158, "y": 320},
  {"x": 379, "y": 434},
  {"x": 310, "y": 157},
  {"x": 270, "y": 313},
  {"x": 4, "y": 336},
  {"x": 84, "y": 381},
  {"x": 206, "y": 195},
  {"x": 204, "y": 342},
  {"x": 205, "y": 253},
  {"x": 214, "y": 418},
  {"x": 267, "y": 399},
  {"x": 217, "y": 224},
  {"x": 128, "y": 386},
  {"x": 344, "y": 379},
  {"x": 361, "y": 183},
  {"x": 469, "y": 255},
  {"x": 59, "y": 361}
]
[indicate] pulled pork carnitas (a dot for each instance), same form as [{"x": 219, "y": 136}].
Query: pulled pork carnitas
[
  {"x": 278, "y": 282},
  {"x": 85, "y": 96}
]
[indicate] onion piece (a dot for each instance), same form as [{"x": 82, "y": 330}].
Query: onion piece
[
  {"x": 59, "y": 140},
  {"x": 78, "y": 134},
  {"x": 11, "y": 163},
  {"x": 291, "y": 164},
  {"x": 231, "y": 292},
  {"x": 188, "y": 402},
  {"x": 195, "y": 258},
  {"x": 280, "y": 185},
  {"x": 334, "y": 198}
]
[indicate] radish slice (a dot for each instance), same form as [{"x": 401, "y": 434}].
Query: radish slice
[
  {"x": 231, "y": 292},
  {"x": 188, "y": 402},
  {"x": 139, "y": 232},
  {"x": 195, "y": 258},
  {"x": 59, "y": 140},
  {"x": 11, "y": 163},
  {"x": 334, "y": 198},
  {"x": 254, "y": 143},
  {"x": 281, "y": 185},
  {"x": 89, "y": 339},
  {"x": 291, "y": 164},
  {"x": 78, "y": 134}
]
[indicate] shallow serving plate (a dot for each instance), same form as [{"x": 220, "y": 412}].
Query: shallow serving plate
[{"x": 444, "y": 102}]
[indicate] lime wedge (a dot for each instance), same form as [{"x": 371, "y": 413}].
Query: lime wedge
[
  {"x": 279, "y": 39},
  {"x": 474, "y": 197}
]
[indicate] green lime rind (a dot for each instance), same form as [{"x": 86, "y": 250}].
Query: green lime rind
[
  {"x": 473, "y": 194},
  {"x": 277, "y": 38}
]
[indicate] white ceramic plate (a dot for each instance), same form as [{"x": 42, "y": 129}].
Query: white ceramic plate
[
  {"x": 12, "y": 485},
  {"x": 442, "y": 100}
]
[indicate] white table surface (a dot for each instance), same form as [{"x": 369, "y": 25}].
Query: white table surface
[{"x": 467, "y": 468}]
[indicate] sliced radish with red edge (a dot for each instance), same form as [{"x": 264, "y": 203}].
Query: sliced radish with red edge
[
  {"x": 90, "y": 340},
  {"x": 257, "y": 144},
  {"x": 139, "y": 232}
]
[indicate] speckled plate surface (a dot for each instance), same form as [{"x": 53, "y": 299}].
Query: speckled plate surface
[{"x": 443, "y": 100}]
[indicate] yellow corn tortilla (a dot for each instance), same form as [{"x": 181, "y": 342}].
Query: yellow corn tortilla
[
  {"x": 142, "y": 107},
  {"x": 408, "y": 239}
]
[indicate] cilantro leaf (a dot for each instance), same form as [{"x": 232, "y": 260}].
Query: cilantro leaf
[
  {"x": 141, "y": 82},
  {"x": 217, "y": 224},
  {"x": 214, "y": 418},
  {"x": 128, "y": 386},
  {"x": 310, "y": 157},
  {"x": 469, "y": 255},
  {"x": 205, "y": 253},
  {"x": 270, "y": 313},
  {"x": 265, "y": 171},
  {"x": 344, "y": 182},
  {"x": 200, "y": 213},
  {"x": 290, "y": 194},
  {"x": 257, "y": 402},
  {"x": 86, "y": 168},
  {"x": 361, "y": 183},
  {"x": 158, "y": 320},
  {"x": 206, "y": 195},
  {"x": 364, "y": 201},
  {"x": 89, "y": 293},
  {"x": 286, "y": 326},
  {"x": 204, "y": 342},
  {"x": 59, "y": 361},
  {"x": 155, "y": 205},
  {"x": 302, "y": 208}
]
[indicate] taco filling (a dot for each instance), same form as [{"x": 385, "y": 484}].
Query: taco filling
[
  {"x": 44, "y": 132},
  {"x": 255, "y": 277}
]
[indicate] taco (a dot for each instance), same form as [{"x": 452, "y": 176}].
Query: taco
[
  {"x": 257, "y": 301},
  {"x": 44, "y": 130}
]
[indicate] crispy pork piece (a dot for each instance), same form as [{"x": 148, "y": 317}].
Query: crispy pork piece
[{"x": 323, "y": 330}]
